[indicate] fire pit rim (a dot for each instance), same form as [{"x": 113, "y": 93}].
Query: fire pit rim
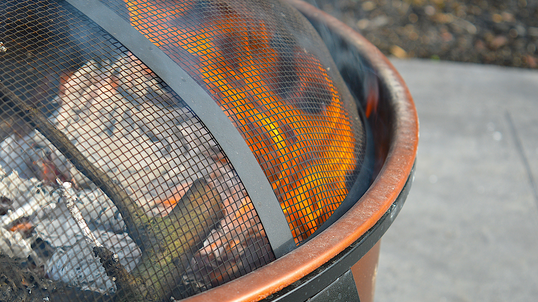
[{"x": 366, "y": 212}]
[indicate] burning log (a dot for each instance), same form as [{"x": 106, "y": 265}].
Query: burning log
[
  {"x": 161, "y": 266},
  {"x": 165, "y": 241}
]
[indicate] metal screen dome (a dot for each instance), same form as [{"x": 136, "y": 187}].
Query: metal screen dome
[{"x": 158, "y": 148}]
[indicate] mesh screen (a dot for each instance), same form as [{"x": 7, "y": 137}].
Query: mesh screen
[
  {"x": 268, "y": 71},
  {"x": 164, "y": 212}
]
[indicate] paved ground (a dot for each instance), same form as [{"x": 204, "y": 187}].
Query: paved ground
[{"x": 469, "y": 228}]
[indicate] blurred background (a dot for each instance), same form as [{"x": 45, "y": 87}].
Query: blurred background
[
  {"x": 469, "y": 228},
  {"x": 500, "y": 32}
]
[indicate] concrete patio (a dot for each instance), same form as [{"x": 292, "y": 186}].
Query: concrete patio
[{"x": 469, "y": 228}]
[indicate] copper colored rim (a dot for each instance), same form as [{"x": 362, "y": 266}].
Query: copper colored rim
[{"x": 365, "y": 213}]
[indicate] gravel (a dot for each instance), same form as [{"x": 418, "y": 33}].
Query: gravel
[{"x": 477, "y": 31}]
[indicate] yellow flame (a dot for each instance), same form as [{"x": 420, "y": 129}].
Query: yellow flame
[{"x": 304, "y": 156}]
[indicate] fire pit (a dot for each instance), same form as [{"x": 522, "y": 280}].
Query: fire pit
[{"x": 153, "y": 150}]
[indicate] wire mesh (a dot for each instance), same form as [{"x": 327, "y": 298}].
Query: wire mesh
[
  {"x": 161, "y": 210},
  {"x": 263, "y": 64}
]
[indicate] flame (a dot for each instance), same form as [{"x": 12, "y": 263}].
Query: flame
[
  {"x": 372, "y": 99},
  {"x": 305, "y": 156}
]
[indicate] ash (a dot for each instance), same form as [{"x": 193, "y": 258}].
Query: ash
[
  {"x": 123, "y": 120},
  {"x": 72, "y": 261}
]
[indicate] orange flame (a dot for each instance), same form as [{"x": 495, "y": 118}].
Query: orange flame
[{"x": 305, "y": 156}]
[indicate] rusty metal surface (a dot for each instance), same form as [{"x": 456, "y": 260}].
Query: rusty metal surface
[{"x": 365, "y": 273}]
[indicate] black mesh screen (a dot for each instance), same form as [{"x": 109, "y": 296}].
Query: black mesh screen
[
  {"x": 265, "y": 67},
  {"x": 110, "y": 184}
]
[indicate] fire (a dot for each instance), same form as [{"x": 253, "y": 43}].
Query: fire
[{"x": 306, "y": 150}]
